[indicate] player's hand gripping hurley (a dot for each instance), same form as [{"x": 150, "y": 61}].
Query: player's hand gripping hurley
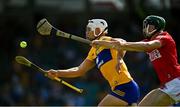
[
  {"x": 45, "y": 28},
  {"x": 22, "y": 60}
]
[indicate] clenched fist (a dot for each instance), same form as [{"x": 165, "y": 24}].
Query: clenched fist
[{"x": 52, "y": 73}]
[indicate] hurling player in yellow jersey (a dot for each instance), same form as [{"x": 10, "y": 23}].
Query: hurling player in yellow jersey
[{"x": 110, "y": 62}]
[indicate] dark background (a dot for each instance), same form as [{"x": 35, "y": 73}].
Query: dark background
[{"x": 20, "y": 85}]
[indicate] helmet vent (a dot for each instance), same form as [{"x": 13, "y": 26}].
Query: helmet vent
[{"x": 102, "y": 23}]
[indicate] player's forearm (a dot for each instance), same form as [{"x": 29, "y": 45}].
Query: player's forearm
[
  {"x": 136, "y": 46},
  {"x": 69, "y": 73}
]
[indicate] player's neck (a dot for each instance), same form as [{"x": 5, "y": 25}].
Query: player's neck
[{"x": 155, "y": 35}]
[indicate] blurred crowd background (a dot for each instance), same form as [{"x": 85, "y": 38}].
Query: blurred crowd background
[{"x": 20, "y": 85}]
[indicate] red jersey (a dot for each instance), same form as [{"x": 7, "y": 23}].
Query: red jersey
[{"x": 164, "y": 59}]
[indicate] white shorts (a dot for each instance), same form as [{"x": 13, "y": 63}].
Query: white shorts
[{"x": 172, "y": 88}]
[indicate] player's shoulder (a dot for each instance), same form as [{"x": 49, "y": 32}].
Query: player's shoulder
[
  {"x": 163, "y": 35},
  {"x": 108, "y": 38},
  {"x": 165, "y": 38}
]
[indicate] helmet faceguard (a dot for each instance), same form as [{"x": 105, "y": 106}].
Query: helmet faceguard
[
  {"x": 157, "y": 21},
  {"x": 98, "y": 23}
]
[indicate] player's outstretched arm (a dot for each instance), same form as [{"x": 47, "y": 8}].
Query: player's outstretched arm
[
  {"x": 129, "y": 46},
  {"x": 140, "y": 46},
  {"x": 85, "y": 66}
]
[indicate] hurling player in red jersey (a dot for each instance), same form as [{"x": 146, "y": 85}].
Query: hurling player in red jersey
[{"x": 161, "y": 48}]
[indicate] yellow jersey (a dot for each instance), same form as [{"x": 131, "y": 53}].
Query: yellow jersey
[{"x": 106, "y": 62}]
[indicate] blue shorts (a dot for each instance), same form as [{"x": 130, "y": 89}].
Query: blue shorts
[{"x": 128, "y": 92}]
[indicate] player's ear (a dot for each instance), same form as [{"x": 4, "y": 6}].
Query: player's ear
[{"x": 97, "y": 31}]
